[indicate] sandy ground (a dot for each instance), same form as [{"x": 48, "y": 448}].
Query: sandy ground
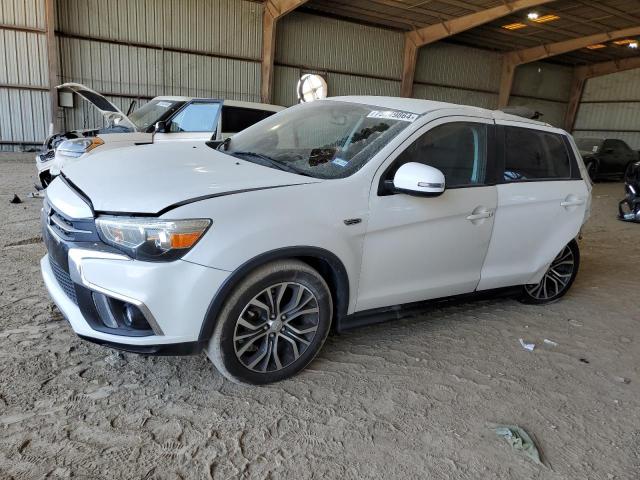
[{"x": 410, "y": 399}]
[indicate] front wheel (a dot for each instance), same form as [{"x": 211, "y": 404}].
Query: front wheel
[
  {"x": 557, "y": 280},
  {"x": 273, "y": 324}
]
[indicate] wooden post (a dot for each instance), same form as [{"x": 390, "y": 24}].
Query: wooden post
[
  {"x": 409, "y": 68},
  {"x": 575, "y": 97},
  {"x": 506, "y": 81},
  {"x": 273, "y": 10},
  {"x": 53, "y": 64}
]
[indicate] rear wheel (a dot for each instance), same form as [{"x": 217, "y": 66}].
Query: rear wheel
[
  {"x": 273, "y": 324},
  {"x": 557, "y": 280}
]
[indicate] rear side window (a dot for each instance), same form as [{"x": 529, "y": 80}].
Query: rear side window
[
  {"x": 458, "y": 150},
  {"x": 236, "y": 119},
  {"x": 535, "y": 155}
]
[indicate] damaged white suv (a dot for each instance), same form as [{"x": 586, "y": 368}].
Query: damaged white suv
[
  {"x": 325, "y": 216},
  {"x": 162, "y": 119}
]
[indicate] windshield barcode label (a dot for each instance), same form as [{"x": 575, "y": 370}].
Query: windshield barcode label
[{"x": 393, "y": 115}]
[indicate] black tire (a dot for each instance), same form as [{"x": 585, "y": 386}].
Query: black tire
[
  {"x": 228, "y": 350},
  {"x": 592, "y": 169},
  {"x": 544, "y": 294}
]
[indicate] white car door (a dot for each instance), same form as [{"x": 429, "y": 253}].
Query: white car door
[
  {"x": 198, "y": 120},
  {"x": 541, "y": 205},
  {"x": 419, "y": 248}
]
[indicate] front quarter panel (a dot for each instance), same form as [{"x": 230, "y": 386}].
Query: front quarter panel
[{"x": 246, "y": 225}]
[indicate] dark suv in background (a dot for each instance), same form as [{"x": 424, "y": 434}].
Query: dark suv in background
[{"x": 606, "y": 158}]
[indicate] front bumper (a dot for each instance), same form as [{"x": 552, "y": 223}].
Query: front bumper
[{"x": 173, "y": 296}]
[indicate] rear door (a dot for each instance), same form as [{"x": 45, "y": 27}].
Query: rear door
[
  {"x": 236, "y": 119},
  {"x": 541, "y": 204}
]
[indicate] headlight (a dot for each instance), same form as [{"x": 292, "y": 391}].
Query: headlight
[
  {"x": 151, "y": 238},
  {"x": 79, "y": 146}
]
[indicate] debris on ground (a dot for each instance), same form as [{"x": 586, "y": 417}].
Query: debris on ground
[
  {"x": 624, "y": 380},
  {"x": 584, "y": 360},
  {"x": 520, "y": 441},
  {"x": 574, "y": 323},
  {"x": 16, "y": 199},
  {"x": 527, "y": 346},
  {"x": 551, "y": 343},
  {"x": 115, "y": 359}
]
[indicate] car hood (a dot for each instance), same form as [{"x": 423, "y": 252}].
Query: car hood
[
  {"x": 109, "y": 111},
  {"x": 151, "y": 179}
]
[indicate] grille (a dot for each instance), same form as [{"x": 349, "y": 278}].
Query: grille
[{"x": 64, "y": 279}]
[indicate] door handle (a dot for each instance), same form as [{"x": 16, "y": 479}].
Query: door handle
[
  {"x": 572, "y": 203},
  {"x": 479, "y": 216}
]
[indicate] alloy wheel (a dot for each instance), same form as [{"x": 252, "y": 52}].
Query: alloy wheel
[
  {"x": 276, "y": 327},
  {"x": 556, "y": 279}
]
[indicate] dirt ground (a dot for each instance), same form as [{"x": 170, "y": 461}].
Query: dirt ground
[{"x": 415, "y": 398}]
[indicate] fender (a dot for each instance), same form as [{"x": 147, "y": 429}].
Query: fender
[{"x": 339, "y": 282}]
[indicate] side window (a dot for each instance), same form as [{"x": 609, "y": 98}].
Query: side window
[
  {"x": 534, "y": 155},
  {"x": 196, "y": 117},
  {"x": 236, "y": 119},
  {"x": 458, "y": 150}
]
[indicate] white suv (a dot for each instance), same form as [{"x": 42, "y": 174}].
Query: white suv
[
  {"x": 162, "y": 119},
  {"x": 325, "y": 215}
]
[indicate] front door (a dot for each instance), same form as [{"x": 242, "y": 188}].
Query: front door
[
  {"x": 197, "y": 120},
  {"x": 419, "y": 248}
]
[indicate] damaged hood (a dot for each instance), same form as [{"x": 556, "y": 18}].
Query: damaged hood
[
  {"x": 150, "y": 179},
  {"x": 109, "y": 111}
]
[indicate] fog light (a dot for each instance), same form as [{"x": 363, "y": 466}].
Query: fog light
[{"x": 133, "y": 318}]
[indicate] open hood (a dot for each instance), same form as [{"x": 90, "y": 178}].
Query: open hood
[
  {"x": 109, "y": 111},
  {"x": 150, "y": 179}
]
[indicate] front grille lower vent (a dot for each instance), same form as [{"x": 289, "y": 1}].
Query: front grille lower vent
[{"x": 64, "y": 279}]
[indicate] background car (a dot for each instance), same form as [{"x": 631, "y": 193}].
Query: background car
[
  {"x": 178, "y": 118},
  {"x": 606, "y": 158}
]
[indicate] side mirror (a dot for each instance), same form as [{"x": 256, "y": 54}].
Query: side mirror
[
  {"x": 417, "y": 179},
  {"x": 160, "y": 127}
]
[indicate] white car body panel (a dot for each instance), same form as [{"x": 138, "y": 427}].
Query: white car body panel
[
  {"x": 395, "y": 249},
  {"x": 192, "y": 171}
]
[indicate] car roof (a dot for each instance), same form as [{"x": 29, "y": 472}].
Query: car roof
[
  {"x": 230, "y": 103},
  {"x": 421, "y": 107}
]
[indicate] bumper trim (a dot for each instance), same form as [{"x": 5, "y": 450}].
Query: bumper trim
[
  {"x": 170, "y": 349},
  {"x": 76, "y": 255}
]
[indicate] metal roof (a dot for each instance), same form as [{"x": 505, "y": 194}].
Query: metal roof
[{"x": 577, "y": 18}]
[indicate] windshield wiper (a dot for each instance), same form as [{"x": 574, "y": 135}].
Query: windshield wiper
[{"x": 271, "y": 162}]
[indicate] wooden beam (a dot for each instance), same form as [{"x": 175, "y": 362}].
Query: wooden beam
[
  {"x": 583, "y": 73},
  {"x": 512, "y": 60},
  {"x": 432, "y": 33},
  {"x": 273, "y": 10},
  {"x": 53, "y": 64},
  {"x": 541, "y": 52}
]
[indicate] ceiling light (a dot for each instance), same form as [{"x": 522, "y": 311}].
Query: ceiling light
[
  {"x": 546, "y": 18},
  {"x": 625, "y": 41},
  {"x": 533, "y": 15},
  {"x": 514, "y": 26},
  {"x": 633, "y": 45},
  {"x": 597, "y": 46}
]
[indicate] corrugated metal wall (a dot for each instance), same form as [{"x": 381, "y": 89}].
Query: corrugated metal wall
[
  {"x": 358, "y": 59},
  {"x": 24, "y": 99},
  {"x": 141, "y": 48},
  {"x": 610, "y": 108}
]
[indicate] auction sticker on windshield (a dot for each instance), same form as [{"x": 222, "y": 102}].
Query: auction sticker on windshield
[{"x": 393, "y": 115}]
